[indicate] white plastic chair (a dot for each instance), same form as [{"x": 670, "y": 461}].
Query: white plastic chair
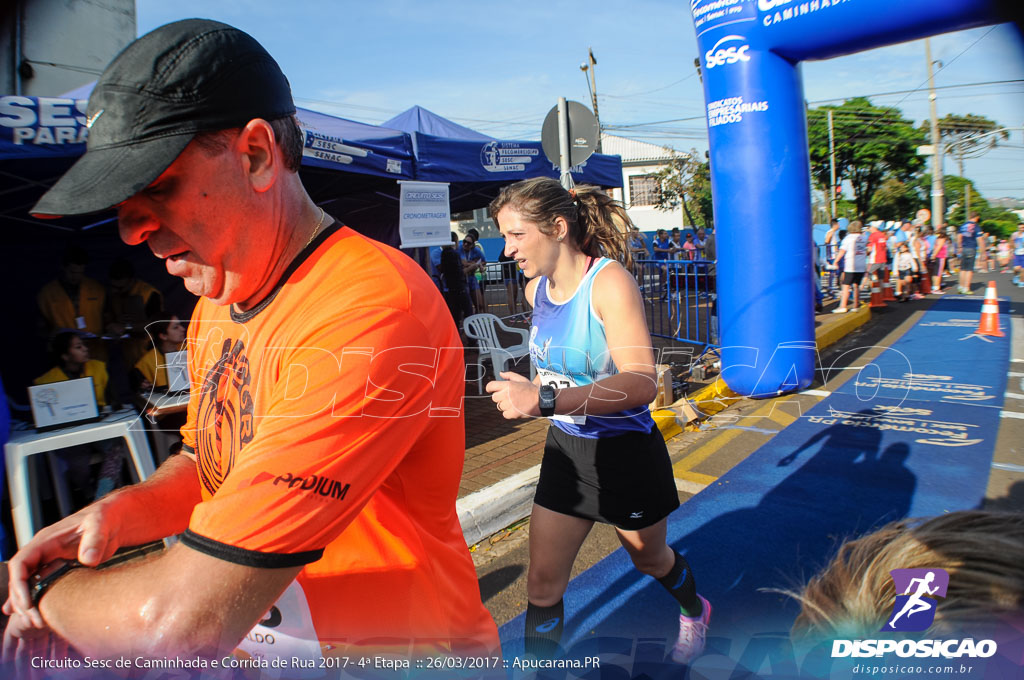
[{"x": 484, "y": 329}]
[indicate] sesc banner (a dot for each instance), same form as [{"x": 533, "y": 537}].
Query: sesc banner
[
  {"x": 424, "y": 214},
  {"x": 32, "y": 127}
]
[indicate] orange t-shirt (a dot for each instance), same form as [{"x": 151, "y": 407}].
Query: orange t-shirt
[{"x": 328, "y": 431}]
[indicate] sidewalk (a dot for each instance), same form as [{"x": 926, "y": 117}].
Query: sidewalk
[{"x": 503, "y": 456}]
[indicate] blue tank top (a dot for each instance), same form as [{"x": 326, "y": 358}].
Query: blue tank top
[{"x": 569, "y": 348}]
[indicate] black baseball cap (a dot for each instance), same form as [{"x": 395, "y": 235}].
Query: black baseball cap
[{"x": 179, "y": 80}]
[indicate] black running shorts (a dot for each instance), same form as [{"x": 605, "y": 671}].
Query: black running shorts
[{"x": 625, "y": 480}]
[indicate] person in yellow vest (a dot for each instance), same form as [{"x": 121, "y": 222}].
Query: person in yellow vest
[
  {"x": 130, "y": 302},
  {"x": 71, "y": 359},
  {"x": 151, "y": 371},
  {"x": 72, "y": 301}
]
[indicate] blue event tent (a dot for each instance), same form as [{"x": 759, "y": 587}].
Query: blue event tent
[
  {"x": 40, "y": 137},
  {"x": 478, "y": 165},
  {"x": 348, "y": 167}
]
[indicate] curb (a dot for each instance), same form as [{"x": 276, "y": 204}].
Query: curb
[{"x": 489, "y": 510}]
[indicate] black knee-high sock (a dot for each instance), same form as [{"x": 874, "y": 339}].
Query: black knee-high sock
[
  {"x": 680, "y": 585},
  {"x": 543, "y": 629}
]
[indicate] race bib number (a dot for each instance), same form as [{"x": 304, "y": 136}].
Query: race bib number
[{"x": 560, "y": 382}]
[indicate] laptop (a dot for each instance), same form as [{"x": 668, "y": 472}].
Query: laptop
[
  {"x": 65, "y": 403},
  {"x": 176, "y": 364}
]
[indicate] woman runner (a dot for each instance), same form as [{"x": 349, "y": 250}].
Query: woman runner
[{"x": 604, "y": 459}]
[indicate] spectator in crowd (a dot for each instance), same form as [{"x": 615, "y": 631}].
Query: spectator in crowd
[
  {"x": 967, "y": 245},
  {"x": 831, "y": 238},
  {"x": 906, "y": 266},
  {"x": 1003, "y": 255},
  {"x": 831, "y": 243},
  {"x": 940, "y": 252},
  {"x": 662, "y": 247},
  {"x": 513, "y": 277},
  {"x": 130, "y": 303},
  {"x": 689, "y": 249},
  {"x": 482, "y": 273},
  {"x": 638, "y": 249},
  {"x": 150, "y": 371},
  {"x": 918, "y": 246},
  {"x": 819, "y": 297},
  {"x": 130, "y": 300},
  {"x": 983, "y": 260},
  {"x": 72, "y": 361},
  {"x": 311, "y": 510},
  {"x": 676, "y": 246},
  {"x": 455, "y": 283},
  {"x": 878, "y": 253},
  {"x": 72, "y": 301},
  {"x": 474, "y": 265},
  {"x": 853, "y": 253},
  {"x": 1018, "y": 255},
  {"x": 854, "y": 596},
  {"x": 700, "y": 240}
]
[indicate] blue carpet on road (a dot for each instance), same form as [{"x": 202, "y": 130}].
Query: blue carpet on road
[{"x": 910, "y": 435}]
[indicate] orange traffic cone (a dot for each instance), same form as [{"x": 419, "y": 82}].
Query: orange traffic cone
[
  {"x": 887, "y": 286},
  {"x": 876, "y": 296},
  {"x": 990, "y": 313},
  {"x": 926, "y": 281}
]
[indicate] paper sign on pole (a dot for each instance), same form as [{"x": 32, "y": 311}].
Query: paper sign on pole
[{"x": 424, "y": 214}]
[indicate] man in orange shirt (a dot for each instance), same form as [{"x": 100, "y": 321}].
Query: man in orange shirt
[{"x": 315, "y": 497}]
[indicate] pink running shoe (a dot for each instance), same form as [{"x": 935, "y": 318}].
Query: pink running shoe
[{"x": 692, "y": 634}]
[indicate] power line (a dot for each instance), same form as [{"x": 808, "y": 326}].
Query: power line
[{"x": 918, "y": 88}]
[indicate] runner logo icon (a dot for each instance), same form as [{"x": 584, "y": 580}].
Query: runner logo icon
[{"x": 917, "y": 591}]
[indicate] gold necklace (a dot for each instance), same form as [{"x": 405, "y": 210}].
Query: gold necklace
[{"x": 315, "y": 229}]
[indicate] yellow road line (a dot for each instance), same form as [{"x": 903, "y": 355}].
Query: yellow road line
[
  {"x": 697, "y": 478},
  {"x": 685, "y": 465}
]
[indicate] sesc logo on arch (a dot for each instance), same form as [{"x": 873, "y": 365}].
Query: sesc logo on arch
[{"x": 727, "y": 51}]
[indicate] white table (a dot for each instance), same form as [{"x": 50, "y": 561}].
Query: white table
[{"x": 22, "y": 444}]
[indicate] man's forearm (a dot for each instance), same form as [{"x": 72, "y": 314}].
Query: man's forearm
[{"x": 160, "y": 506}]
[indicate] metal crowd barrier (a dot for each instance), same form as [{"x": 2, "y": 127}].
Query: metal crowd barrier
[
  {"x": 680, "y": 299},
  {"x": 504, "y": 291}
]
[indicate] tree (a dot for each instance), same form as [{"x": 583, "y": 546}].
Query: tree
[
  {"x": 686, "y": 182},
  {"x": 895, "y": 200},
  {"x": 967, "y": 136},
  {"x": 871, "y": 144}
]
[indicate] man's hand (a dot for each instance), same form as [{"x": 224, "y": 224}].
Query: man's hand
[
  {"x": 89, "y": 536},
  {"x": 25, "y": 641},
  {"x": 515, "y": 396}
]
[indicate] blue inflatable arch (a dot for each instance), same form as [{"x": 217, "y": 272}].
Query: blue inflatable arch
[{"x": 760, "y": 174}]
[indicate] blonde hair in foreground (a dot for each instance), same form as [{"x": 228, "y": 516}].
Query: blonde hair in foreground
[
  {"x": 982, "y": 551},
  {"x": 598, "y": 224}
]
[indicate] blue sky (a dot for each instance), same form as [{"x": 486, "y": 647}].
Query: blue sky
[{"x": 499, "y": 67}]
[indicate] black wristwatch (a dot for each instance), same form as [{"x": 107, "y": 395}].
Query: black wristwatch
[
  {"x": 547, "y": 401},
  {"x": 50, "y": 573}
]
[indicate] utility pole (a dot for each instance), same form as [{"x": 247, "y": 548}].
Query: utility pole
[
  {"x": 832, "y": 155},
  {"x": 938, "y": 194},
  {"x": 593, "y": 94}
]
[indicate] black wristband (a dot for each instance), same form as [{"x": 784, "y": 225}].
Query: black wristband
[{"x": 40, "y": 586}]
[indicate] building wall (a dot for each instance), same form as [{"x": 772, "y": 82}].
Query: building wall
[
  {"x": 647, "y": 217},
  {"x": 64, "y": 43}
]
